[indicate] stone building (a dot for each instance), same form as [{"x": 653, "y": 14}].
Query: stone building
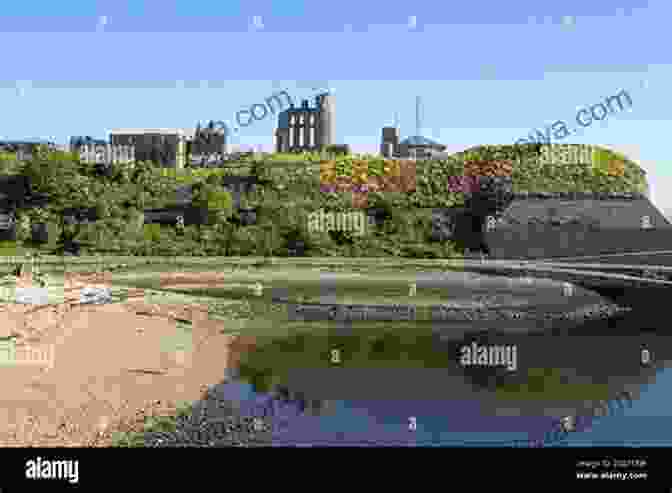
[
  {"x": 208, "y": 141},
  {"x": 167, "y": 147},
  {"x": 78, "y": 141},
  {"x": 419, "y": 147},
  {"x": 389, "y": 142},
  {"x": 307, "y": 128},
  {"x": 414, "y": 147},
  {"x": 24, "y": 148}
]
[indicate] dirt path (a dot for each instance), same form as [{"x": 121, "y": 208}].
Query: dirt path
[{"x": 102, "y": 368}]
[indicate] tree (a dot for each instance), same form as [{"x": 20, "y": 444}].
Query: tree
[
  {"x": 155, "y": 156},
  {"x": 338, "y": 149}
]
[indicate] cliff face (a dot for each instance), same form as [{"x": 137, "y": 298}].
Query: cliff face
[
  {"x": 556, "y": 228},
  {"x": 562, "y": 211},
  {"x": 599, "y": 212}
]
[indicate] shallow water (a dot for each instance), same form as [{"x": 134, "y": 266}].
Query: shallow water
[
  {"x": 390, "y": 388},
  {"x": 404, "y": 383}
]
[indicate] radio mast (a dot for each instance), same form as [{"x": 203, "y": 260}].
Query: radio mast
[{"x": 417, "y": 116}]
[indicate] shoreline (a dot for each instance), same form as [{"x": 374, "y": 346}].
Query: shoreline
[{"x": 238, "y": 426}]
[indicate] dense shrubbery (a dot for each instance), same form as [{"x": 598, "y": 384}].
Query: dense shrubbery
[
  {"x": 289, "y": 190},
  {"x": 339, "y": 149}
]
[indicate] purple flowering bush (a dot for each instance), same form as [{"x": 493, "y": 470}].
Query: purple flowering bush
[{"x": 463, "y": 184}]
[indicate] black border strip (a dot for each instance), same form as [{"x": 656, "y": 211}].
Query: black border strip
[{"x": 135, "y": 468}]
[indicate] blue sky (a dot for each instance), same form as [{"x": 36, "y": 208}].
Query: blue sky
[{"x": 488, "y": 72}]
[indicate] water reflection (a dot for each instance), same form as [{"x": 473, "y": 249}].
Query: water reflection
[{"x": 392, "y": 387}]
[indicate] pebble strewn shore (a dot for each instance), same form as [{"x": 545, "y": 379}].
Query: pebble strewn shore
[
  {"x": 590, "y": 312},
  {"x": 213, "y": 422},
  {"x": 448, "y": 313}
]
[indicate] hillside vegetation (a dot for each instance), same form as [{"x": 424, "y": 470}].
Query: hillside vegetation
[{"x": 401, "y": 193}]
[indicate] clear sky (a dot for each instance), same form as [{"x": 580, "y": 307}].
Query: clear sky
[{"x": 488, "y": 72}]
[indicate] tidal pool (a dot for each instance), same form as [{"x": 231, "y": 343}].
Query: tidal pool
[
  {"x": 335, "y": 382},
  {"x": 391, "y": 387}
]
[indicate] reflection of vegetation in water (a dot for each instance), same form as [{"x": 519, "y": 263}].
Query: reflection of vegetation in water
[
  {"x": 549, "y": 384},
  {"x": 269, "y": 363},
  {"x": 376, "y": 346}
]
